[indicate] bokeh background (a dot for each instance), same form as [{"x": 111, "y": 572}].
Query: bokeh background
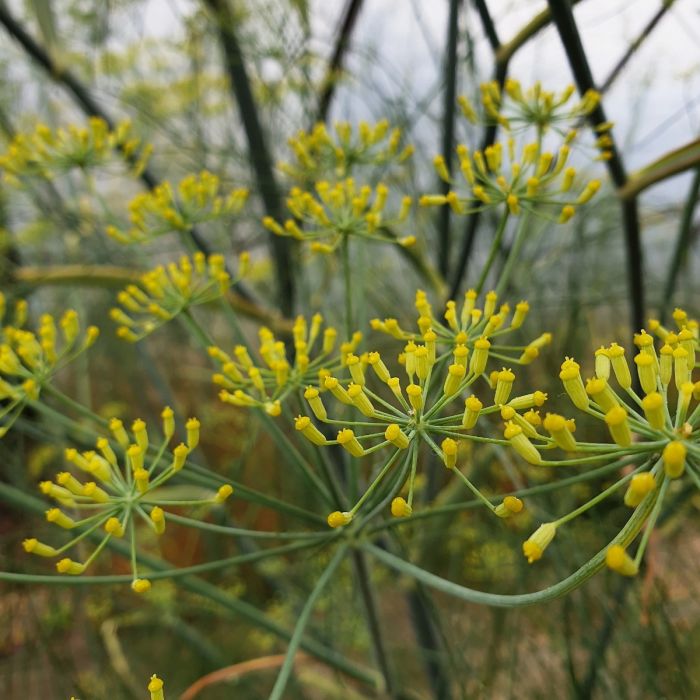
[{"x": 158, "y": 62}]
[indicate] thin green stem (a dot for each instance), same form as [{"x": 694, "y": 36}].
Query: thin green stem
[
  {"x": 302, "y": 621},
  {"x": 495, "y": 247},
  {"x": 347, "y": 282}
]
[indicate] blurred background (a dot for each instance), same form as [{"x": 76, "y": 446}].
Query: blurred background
[{"x": 159, "y": 63}]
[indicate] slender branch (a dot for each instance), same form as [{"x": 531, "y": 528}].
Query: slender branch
[
  {"x": 448, "y": 131},
  {"x": 635, "y": 45},
  {"x": 488, "y": 24},
  {"x": 257, "y": 145},
  {"x": 375, "y": 631},
  {"x": 563, "y": 18},
  {"x": 687, "y": 157},
  {"x": 330, "y": 80},
  {"x": 298, "y": 634}
]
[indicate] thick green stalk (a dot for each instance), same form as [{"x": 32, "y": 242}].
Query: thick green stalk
[{"x": 259, "y": 154}]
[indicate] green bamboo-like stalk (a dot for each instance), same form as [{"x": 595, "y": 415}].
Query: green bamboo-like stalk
[
  {"x": 563, "y": 18},
  {"x": 448, "y": 131},
  {"x": 258, "y": 151}
]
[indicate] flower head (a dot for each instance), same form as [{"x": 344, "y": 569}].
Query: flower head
[
  {"x": 335, "y": 211},
  {"x": 167, "y": 291},
  {"x": 533, "y": 180},
  {"x": 116, "y": 486},
  {"x": 29, "y": 359},
  {"x": 197, "y": 199},
  {"x": 319, "y": 154},
  {"x": 267, "y": 382},
  {"x": 471, "y": 330},
  {"x": 401, "y": 417},
  {"x": 657, "y": 433},
  {"x": 515, "y": 108},
  {"x": 47, "y": 152}
]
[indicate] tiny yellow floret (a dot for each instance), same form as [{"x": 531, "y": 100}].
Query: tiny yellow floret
[
  {"x": 400, "y": 509},
  {"x": 619, "y": 561}
]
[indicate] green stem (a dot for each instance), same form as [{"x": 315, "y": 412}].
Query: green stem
[
  {"x": 347, "y": 275},
  {"x": 298, "y": 634},
  {"x": 570, "y": 583},
  {"x": 495, "y": 247},
  {"x": 514, "y": 254}
]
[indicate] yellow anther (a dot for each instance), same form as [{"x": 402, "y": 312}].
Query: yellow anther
[
  {"x": 674, "y": 459},
  {"x": 346, "y": 439},
  {"x": 510, "y": 506},
  {"x": 521, "y": 443},
  {"x": 339, "y": 519},
  {"x": 142, "y": 585},
  {"x": 618, "y": 424},
  {"x": 560, "y": 431},
  {"x": 449, "y": 452},
  {"x": 304, "y": 425},
  {"x": 534, "y": 546},
  {"x": 640, "y": 485},
  {"x": 617, "y": 559},
  {"x": 400, "y": 509},
  {"x": 396, "y": 436},
  {"x": 415, "y": 397},
  {"x": 472, "y": 409},
  {"x": 114, "y": 527}
]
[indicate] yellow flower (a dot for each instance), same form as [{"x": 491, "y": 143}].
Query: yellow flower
[
  {"x": 29, "y": 359},
  {"x": 124, "y": 491},
  {"x": 472, "y": 330},
  {"x": 320, "y": 155},
  {"x": 166, "y": 291},
  {"x": 337, "y": 211},
  {"x": 268, "y": 382},
  {"x": 47, "y": 152},
  {"x": 197, "y": 199}
]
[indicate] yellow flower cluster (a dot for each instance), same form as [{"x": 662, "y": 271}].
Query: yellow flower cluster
[
  {"x": 168, "y": 290},
  {"x": 197, "y": 199},
  {"x": 657, "y": 432},
  {"x": 515, "y": 108},
  {"x": 471, "y": 327},
  {"x": 47, "y": 152},
  {"x": 318, "y": 154},
  {"x": 118, "y": 495},
  {"x": 339, "y": 210},
  {"x": 28, "y": 359},
  {"x": 533, "y": 180},
  {"x": 267, "y": 385},
  {"x": 413, "y": 415}
]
